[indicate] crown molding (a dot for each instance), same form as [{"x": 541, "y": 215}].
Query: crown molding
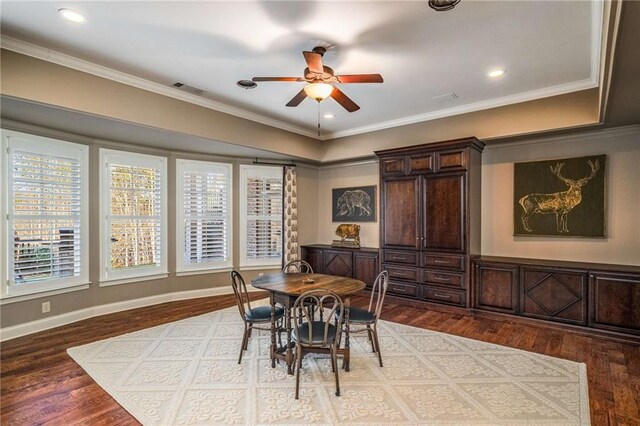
[
  {"x": 38, "y": 52},
  {"x": 546, "y": 92},
  {"x": 584, "y": 136}
]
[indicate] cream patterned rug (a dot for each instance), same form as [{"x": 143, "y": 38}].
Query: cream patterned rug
[{"x": 186, "y": 373}]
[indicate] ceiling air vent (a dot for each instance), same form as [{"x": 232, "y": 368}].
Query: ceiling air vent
[
  {"x": 188, "y": 89},
  {"x": 447, "y": 97}
]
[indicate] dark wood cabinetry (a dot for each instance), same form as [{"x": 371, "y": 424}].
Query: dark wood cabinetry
[
  {"x": 428, "y": 195},
  {"x": 361, "y": 264},
  {"x": 592, "y": 296}
]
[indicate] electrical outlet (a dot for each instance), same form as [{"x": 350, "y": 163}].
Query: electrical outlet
[
  {"x": 260, "y": 274},
  {"x": 46, "y": 307}
]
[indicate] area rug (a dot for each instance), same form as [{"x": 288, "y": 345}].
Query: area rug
[{"x": 186, "y": 373}]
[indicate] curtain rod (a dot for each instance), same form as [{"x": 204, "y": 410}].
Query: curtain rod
[{"x": 274, "y": 163}]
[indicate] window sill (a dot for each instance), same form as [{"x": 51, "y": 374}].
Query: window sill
[
  {"x": 186, "y": 273},
  {"x": 259, "y": 267},
  {"x": 108, "y": 283},
  {"x": 8, "y": 299}
]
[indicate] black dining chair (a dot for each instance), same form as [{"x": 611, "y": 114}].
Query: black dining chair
[
  {"x": 312, "y": 333},
  {"x": 297, "y": 267},
  {"x": 369, "y": 317},
  {"x": 252, "y": 316}
]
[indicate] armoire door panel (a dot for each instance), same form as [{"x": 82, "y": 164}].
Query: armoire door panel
[
  {"x": 401, "y": 212},
  {"x": 443, "y": 200}
]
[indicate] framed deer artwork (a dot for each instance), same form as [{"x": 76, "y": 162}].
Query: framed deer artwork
[{"x": 560, "y": 198}]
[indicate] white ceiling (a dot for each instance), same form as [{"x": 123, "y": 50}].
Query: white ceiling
[{"x": 547, "y": 47}]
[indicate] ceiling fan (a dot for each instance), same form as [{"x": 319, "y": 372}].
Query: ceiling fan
[{"x": 321, "y": 81}]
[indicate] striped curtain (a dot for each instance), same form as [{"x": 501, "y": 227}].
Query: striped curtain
[{"x": 290, "y": 215}]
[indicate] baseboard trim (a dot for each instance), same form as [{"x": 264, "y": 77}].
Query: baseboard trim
[{"x": 48, "y": 323}]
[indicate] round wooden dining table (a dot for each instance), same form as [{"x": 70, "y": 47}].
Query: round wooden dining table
[{"x": 285, "y": 288}]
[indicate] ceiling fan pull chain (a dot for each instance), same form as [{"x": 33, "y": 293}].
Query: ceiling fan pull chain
[{"x": 318, "y": 118}]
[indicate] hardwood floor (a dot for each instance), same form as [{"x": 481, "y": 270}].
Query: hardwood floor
[{"x": 40, "y": 384}]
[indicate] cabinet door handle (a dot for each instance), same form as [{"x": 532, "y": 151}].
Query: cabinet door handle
[
  {"x": 441, "y": 262},
  {"x": 439, "y": 278},
  {"x": 400, "y": 289},
  {"x": 397, "y": 258},
  {"x": 442, "y": 296}
]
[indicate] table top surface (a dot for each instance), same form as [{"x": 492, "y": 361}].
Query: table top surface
[{"x": 292, "y": 284}]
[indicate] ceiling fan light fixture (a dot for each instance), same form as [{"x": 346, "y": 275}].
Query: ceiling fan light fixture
[{"x": 318, "y": 91}]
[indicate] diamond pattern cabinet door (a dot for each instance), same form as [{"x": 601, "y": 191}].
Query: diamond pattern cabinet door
[
  {"x": 554, "y": 294},
  {"x": 338, "y": 263}
]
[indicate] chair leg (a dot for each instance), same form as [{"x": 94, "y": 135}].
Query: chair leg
[
  {"x": 299, "y": 367},
  {"x": 244, "y": 340},
  {"x": 375, "y": 335},
  {"x": 371, "y": 339},
  {"x": 334, "y": 359}
]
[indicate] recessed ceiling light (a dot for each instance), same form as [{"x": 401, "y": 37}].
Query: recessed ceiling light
[
  {"x": 72, "y": 15},
  {"x": 497, "y": 73},
  {"x": 329, "y": 116}
]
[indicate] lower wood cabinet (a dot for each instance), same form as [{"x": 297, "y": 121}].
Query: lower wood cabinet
[
  {"x": 496, "y": 287},
  {"x": 615, "y": 302},
  {"x": 361, "y": 264},
  {"x": 594, "y": 296}
]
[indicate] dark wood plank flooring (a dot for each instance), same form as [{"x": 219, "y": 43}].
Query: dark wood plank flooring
[{"x": 41, "y": 384}]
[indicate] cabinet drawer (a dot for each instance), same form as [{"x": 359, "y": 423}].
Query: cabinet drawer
[
  {"x": 445, "y": 296},
  {"x": 402, "y": 272},
  {"x": 396, "y": 256},
  {"x": 452, "y": 160},
  {"x": 444, "y": 278},
  {"x": 408, "y": 290},
  {"x": 443, "y": 261}
]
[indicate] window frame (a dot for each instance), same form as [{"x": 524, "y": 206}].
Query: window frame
[
  {"x": 245, "y": 171},
  {"x": 45, "y": 146},
  {"x": 201, "y": 166},
  {"x": 107, "y": 275}
]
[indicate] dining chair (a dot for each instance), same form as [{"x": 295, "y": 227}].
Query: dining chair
[
  {"x": 313, "y": 334},
  {"x": 253, "y": 315},
  {"x": 369, "y": 317},
  {"x": 297, "y": 266}
]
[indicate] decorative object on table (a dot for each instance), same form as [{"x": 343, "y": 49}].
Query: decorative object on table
[
  {"x": 564, "y": 197},
  {"x": 357, "y": 204},
  {"x": 349, "y": 234},
  {"x": 443, "y": 5},
  {"x": 321, "y": 81}
]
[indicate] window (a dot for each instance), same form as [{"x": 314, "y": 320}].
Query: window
[
  {"x": 134, "y": 216},
  {"x": 204, "y": 215},
  {"x": 260, "y": 216},
  {"x": 45, "y": 185}
]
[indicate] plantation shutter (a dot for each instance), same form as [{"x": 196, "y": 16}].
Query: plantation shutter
[
  {"x": 206, "y": 214},
  {"x": 263, "y": 238},
  {"x": 134, "y": 216},
  {"x": 46, "y": 216}
]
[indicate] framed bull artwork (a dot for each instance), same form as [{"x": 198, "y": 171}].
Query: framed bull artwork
[
  {"x": 560, "y": 198},
  {"x": 357, "y": 204}
]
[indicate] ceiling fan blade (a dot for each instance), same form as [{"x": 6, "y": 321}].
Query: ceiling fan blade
[
  {"x": 344, "y": 100},
  {"x": 297, "y": 99},
  {"x": 314, "y": 62},
  {"x": 277, "y": 79},
  {"x": 360, "y": 78}
]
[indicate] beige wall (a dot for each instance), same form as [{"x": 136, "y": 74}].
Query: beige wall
[
  {"x": 622, "y": 244},
  {"x": 342, "y": 176}
]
